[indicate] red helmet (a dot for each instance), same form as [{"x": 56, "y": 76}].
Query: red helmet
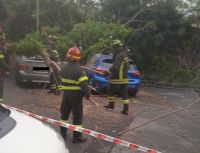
[{"x": 74, "y": 54}]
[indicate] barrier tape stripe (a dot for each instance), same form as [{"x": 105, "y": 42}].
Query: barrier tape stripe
[{"x": 86, "y": 131}]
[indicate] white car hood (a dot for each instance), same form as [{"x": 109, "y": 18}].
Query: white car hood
[{"x": 31, "y": 136}]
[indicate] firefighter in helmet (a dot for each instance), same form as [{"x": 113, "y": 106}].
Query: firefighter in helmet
[
  {"x": 54, "y": 79},
  {"x": 4, "y": 69},
  {"x": 118, "y": 76},
  {"x": 75, "y": 87}
]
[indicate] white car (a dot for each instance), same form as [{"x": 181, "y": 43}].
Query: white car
[{"x": 22, "y": 134}]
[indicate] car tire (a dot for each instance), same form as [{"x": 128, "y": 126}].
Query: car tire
[{"x": 18, "y": 79}]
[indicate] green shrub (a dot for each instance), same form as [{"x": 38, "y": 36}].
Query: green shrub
[{"x": 29, "y": 46}]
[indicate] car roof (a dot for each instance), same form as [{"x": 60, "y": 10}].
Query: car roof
[{"x": 101, "y": 56}]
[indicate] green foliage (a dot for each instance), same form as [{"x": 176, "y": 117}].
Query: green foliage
[
  {"x": 165, "y": 44},
  {"x": 64, "y": 43},
  {"x": 30, "y": 45},
  {"x": 3, "y": 12},
  {"x": 96, "y": 36},
  {"x": 21, "y": 15}
]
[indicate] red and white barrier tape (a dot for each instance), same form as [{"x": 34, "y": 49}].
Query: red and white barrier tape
[{"x": 86, "y": 131}]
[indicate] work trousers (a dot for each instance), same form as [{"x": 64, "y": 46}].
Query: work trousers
[
  {"x": 121, "y": 89},
  {"x": 55, "y": 81},
  {"x": 72, "y": 103}
]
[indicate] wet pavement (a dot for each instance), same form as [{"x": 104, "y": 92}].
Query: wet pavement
[{"x": 177, "y": 133}]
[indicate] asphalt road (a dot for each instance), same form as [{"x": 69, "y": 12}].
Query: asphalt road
[{"x": 177, "y": 133}]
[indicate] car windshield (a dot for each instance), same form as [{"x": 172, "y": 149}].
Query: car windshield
[{"x": 6, "y": 122}]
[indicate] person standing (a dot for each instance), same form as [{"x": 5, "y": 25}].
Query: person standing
[
  {"x": 118, "y": 77},
  {"x": 52, "y": 59},
  {"x": 4, "y": 69},
  {"x": 75, "y": 87}
]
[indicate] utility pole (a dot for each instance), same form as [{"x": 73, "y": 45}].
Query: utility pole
[{"x": 37, "y": 16}]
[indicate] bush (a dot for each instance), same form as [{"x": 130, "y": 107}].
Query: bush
[
  {"x": 29, "y": 46},
  {"x": 164, "y": 70},
  {"x": 96, "y": 36}
]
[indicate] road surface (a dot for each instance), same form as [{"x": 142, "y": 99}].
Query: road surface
[{"x": 177, "y": 133}]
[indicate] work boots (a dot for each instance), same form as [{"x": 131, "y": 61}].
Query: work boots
[
  {"x": 110, "y": 105},
  {"x": 63, "y": 132},
  {"x": 58, "y": 92},
  {"x": 78, "y": 137},
  {"x": 125, "y": 109}
]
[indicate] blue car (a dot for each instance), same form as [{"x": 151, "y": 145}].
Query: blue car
[{"x": 101, "y": 63}]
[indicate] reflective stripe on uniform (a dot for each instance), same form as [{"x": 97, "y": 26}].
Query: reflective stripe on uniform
[
  {"x": 125, "y": 101},
  {"x": 60, "y": 87},
  {"x": 1, "y": 56},
  {"x": 111, "y": 99},
  {"x": 120, "y": 81},
  {"x": 81, "y": 79},
  {"x": 53, "y": 86},
  {"x": 71, "y": 87},
  {"x": 122, "y": 68},
  {"x": 69, "y": 81}
]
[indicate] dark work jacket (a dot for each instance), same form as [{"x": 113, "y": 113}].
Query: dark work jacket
[
  {"x": 119, "y": 69},
  {"x": 53, "y": 55},
  {"x": 74, "y": 79}
]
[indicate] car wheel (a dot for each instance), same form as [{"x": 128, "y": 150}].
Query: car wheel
[{"x": 18, "y": 79}]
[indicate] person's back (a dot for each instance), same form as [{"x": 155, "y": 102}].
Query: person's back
[
  {"x": 119, "y": 77},
  {"x": 75, "y": 86},
  {"x": 119, "y": 70},
  {"x": 71, "y": 71}
]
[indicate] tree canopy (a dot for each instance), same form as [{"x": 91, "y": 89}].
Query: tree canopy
[{"x": 162, "y": 35}]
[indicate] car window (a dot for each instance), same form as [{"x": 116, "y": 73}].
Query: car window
[
  {"x": 107, "y": 63},
  {"x": 36, "y": 57},
  {"x": 131, "y": 64},
  {"x": 6, "y": 122}
]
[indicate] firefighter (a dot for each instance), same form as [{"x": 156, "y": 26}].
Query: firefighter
[
  {"x": 4, "y": 69},
  {"x": 118, "y": 76},
  {"x": 75, "y": 87},
  {"x": 54, "y": 79}
]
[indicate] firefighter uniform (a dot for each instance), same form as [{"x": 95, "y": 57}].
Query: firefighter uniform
[
  {"x": 119, "y": 79},
  {"x": 75, "y": 87},
  {"x": 54, "y": 79},
  {"x": 3, "y": 67}
]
